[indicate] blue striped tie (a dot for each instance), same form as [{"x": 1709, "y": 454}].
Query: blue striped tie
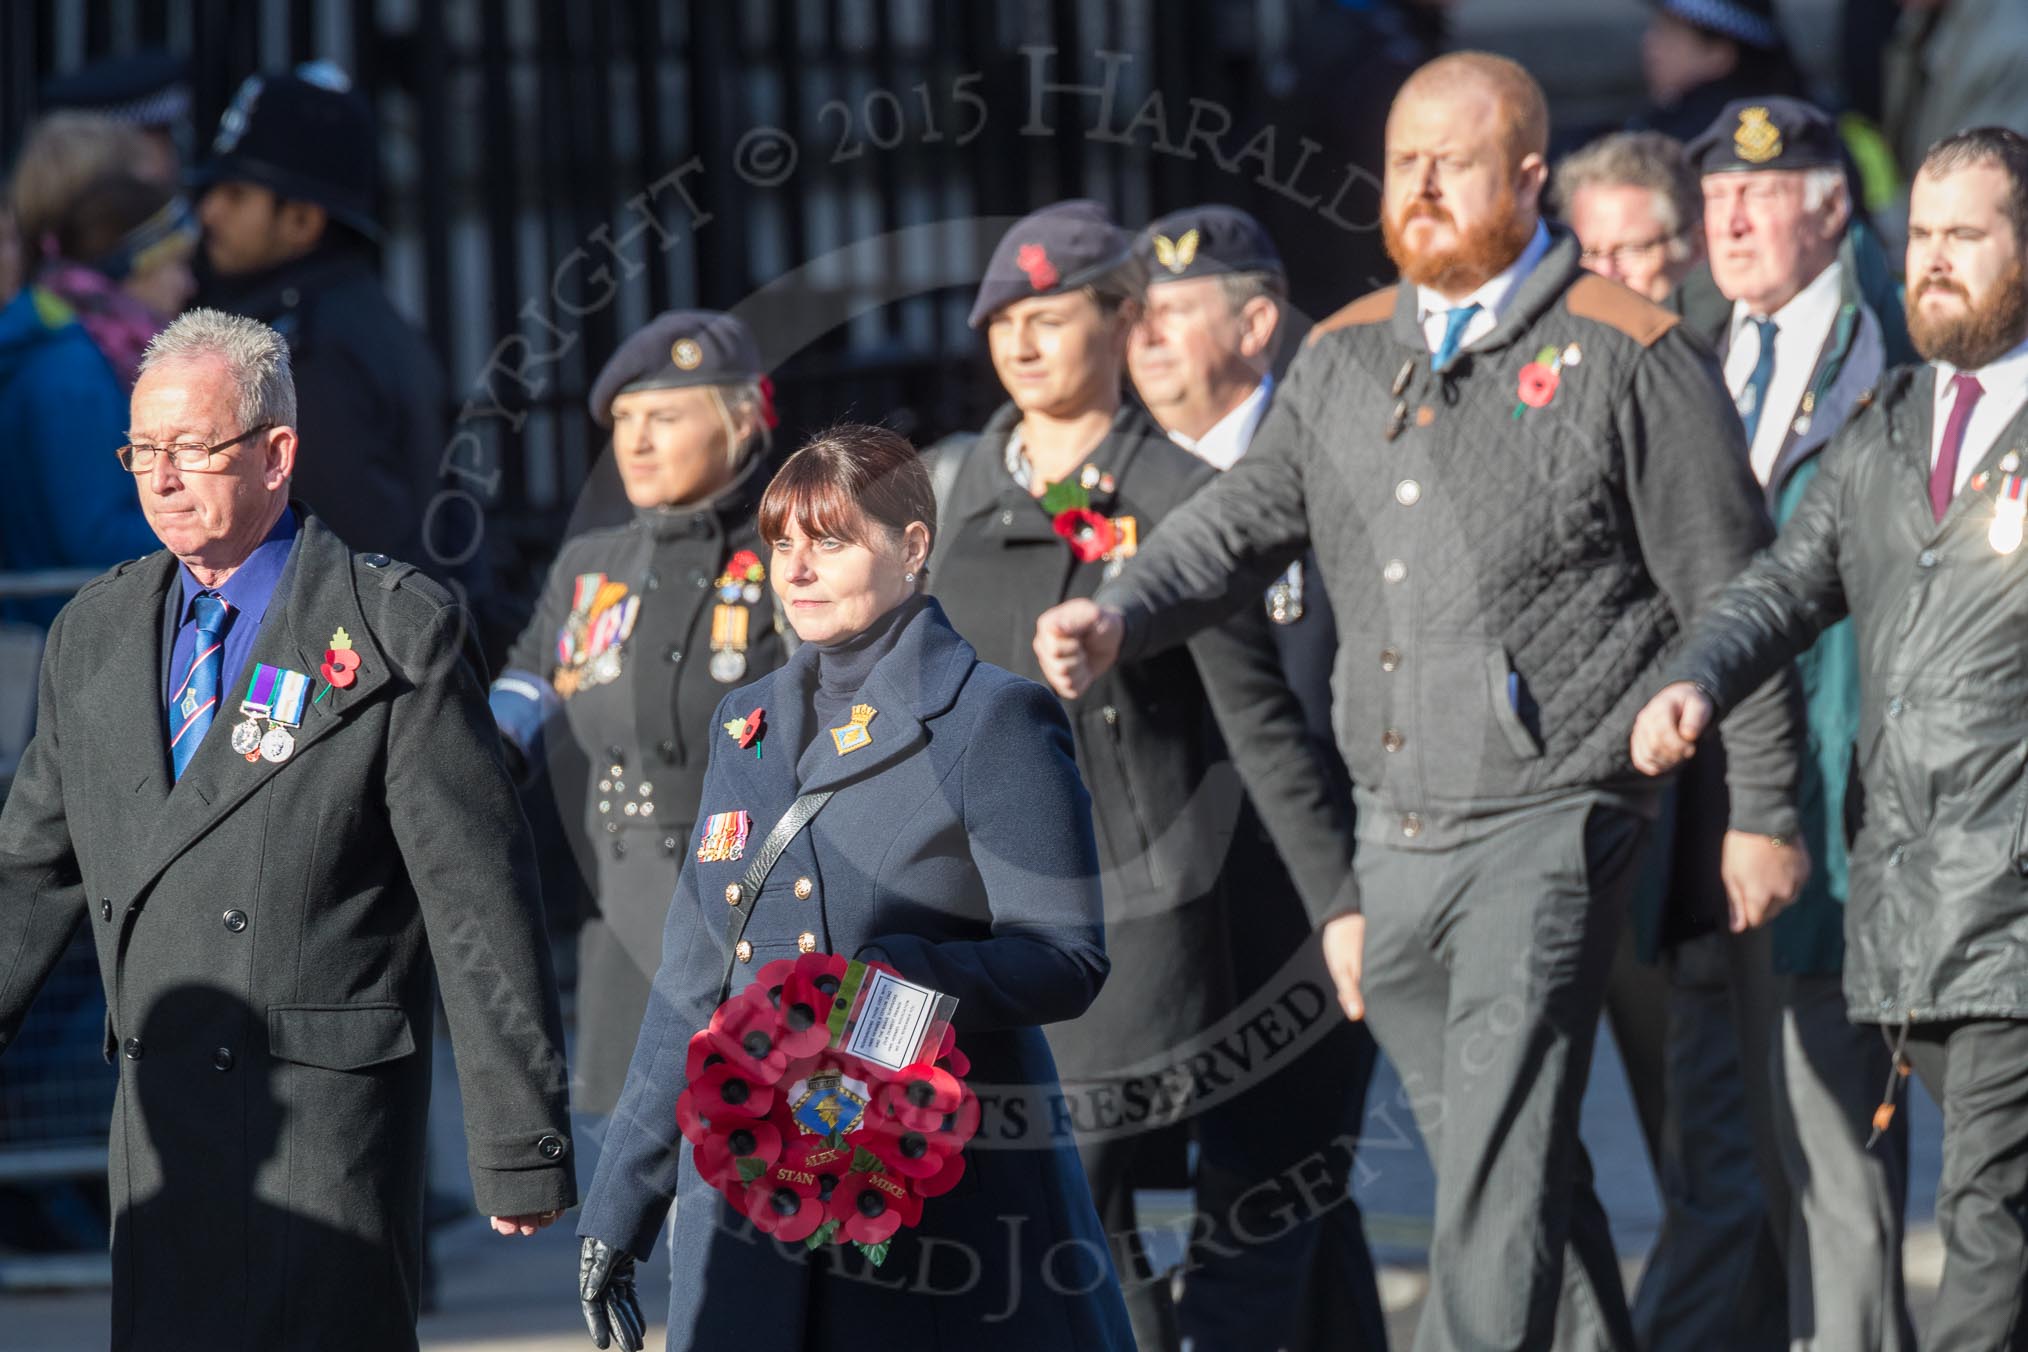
[
  {"x": 195, "y": 702},
  {"x": 1454, "y": 329}
]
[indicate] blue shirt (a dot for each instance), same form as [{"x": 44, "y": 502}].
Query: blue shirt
[{"x": 248, "y": 592}]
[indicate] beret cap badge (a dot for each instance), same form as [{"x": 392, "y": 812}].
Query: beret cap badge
[
  {"x": 1176, "y": 255},
  {"x": 1757, "y": 140},
  {"x": 686, "y": 354}
]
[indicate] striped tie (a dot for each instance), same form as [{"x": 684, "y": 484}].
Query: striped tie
[{"x": 195, "y": 702}]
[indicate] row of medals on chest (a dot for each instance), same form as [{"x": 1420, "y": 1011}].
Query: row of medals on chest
[{"x": 591, "y": 646}]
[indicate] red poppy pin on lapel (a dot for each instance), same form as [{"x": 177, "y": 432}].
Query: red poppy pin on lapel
[
  {"x": 747, "y": 732},
  {"x": 341, "y": 663}
]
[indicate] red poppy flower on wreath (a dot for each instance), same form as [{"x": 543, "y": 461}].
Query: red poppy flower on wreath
[
  {"x": 946, "y": 1178},
  {"x": 772, "y": 976},
  {"x": 727, "y": 1091},
  {"x": 903, "y": 1150},
  {"x": 805, "y": 1014},
  {"x": 950, "y": 1058},
  {"x": 784, "y": 1202},
  {"x": 1538, "y": 384},
  {"x": 870, "y": 1207},
  {"x": 701, "y": 1055},
  {"x": 744, "y": 1029},
  {"x": 722, "y": 1149},
  {"x": 1090, "y": 535},
  {"x": 920, "y": 1097}
]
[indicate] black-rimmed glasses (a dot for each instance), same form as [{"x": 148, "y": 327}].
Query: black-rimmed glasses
[{"x": 195, "y": 456}]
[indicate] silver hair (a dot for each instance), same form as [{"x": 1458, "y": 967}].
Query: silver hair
[
  {"x": 255, "y": 356},
  {"x": 1637, "y": 159},
  {"x": 1818, "y": 185}
]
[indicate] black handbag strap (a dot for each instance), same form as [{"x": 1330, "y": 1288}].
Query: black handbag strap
[{"x": 742, "y": 895}]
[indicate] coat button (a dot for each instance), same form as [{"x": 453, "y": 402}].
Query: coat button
[
  {"x": 804, "y": 887},
  {"x": 1392, "y": 741},
  {"x": 1886, "y": 1003},
  {"x": 675, "y": 655},
  {"x": 1006, "y": 518},
  {"x": 743, "y": 951},
  {"x": 222, "y": 1059},
  {"x": 619, "y": 849},
  {"x": 700, "y": 581},
  {"x": 806, "y": 942},
  {"x": 235, "y": 920},
  {"x": 616, "y": 755},
  {"x": 1395, "y": 570},
  {"x": 667, "y": 749},
  {"x": 551, "y": 1147},
  {"x": 652, "y": 582},
  {"x": 1408, "y": 492},
  {"x": 1390, "y": 658},
  {"x": 133, "y": 1048},
  {"x": 669, "y": 845},
  {"x": 1895, "y": 856},
  {"x": 1411, "y": 825},
  {"x": 1894, "y": 707},
  {"x": 1110, "y": 715},
  {"x": 1926, "y": 559},
  {"x": 106, "y": 908},
  {"x": 732, "y": 894}
]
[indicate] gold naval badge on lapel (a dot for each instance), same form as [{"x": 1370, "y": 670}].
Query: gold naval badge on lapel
[{"x": 854, "y": 735}]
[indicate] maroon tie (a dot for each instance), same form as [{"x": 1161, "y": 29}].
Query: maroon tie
[{"x": 1943, "y": 480}]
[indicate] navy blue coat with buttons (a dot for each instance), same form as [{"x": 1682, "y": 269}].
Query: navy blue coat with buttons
[{"x": 959, "y": 848}]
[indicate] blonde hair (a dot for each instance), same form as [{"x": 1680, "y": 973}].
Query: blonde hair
[{"x": 65, "y": 154}]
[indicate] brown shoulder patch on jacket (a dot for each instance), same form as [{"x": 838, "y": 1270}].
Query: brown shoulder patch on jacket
[
  {"x": 1373, "y": 308},
  {"x": 1609, "y": 303}
]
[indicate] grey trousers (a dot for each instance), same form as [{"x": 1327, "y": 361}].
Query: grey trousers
[
  {"x": 1485, "y": 972},
  {"x": 1977, "y": 1069},
  {"x": 1845, "y": 1284},
  {"x": 1715, "y": 1277}
]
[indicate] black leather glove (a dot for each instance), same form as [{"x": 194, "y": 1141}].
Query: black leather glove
[{"x": 605, "y": 1287}]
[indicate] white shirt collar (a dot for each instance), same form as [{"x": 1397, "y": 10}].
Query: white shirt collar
[
  {"x": 1493, "y": 296},
  {"x": 1810, "y": 311},
  {"x": 2006, "y": 375},
  {"x": 1227, "y": 439}
]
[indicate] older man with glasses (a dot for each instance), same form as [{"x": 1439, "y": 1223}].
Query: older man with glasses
[
  {"x": 264, "y": 775},
  {"x": 1632, "y": 202}
]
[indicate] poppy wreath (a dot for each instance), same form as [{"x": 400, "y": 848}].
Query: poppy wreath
[{"x": 809, "y": 1142}]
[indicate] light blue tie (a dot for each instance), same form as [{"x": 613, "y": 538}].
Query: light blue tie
[
  {"x": 195, "y": 702},
  {"x": 1754, "y": 396},
  {"x": 1454, "y": 329}
]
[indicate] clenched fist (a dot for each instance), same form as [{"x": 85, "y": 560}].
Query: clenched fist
[
  {"x": 1076, "y": 643},
  {"x": 1666, "y": 731}
]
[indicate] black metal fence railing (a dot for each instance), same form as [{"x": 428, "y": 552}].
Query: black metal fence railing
[{"x": 554, "y": 174}]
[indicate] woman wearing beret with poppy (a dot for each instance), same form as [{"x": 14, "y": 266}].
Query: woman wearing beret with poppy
[
  {"x": 640, "y": 631},
  {"x": 1051, "y": 498},
  {"x": 956, "y": 846}
]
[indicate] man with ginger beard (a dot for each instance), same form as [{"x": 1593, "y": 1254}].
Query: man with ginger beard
[
  {"x": 1520, "y": 481},
  {"x": 1913, "y": 528}
]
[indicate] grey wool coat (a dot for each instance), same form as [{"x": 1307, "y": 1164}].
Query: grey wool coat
[{"x": 268, "y": 934}]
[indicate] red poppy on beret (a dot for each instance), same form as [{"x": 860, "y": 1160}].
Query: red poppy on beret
[
  {"x": 869, "y": 1208},
  {"x": 1538, "y": 384},
  {"x": 1033, "y": 259},
  {"x": 744, "y": 1030},
  {"x": 920, "y": 1097},
  {"x": 727, "y": 1091},
  {"x": 1089, "y": 534},
  {"x": 723, "y": 1147}
]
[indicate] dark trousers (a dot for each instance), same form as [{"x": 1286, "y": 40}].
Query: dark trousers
[
  {"x": 1977, "y": 1069},
  {"x": 1282, "y": 1261},
  {"x": 1109, "y": 1168},
  {"x": 1485, "y": 974},
  {"x": 1716, "y": 1275}
]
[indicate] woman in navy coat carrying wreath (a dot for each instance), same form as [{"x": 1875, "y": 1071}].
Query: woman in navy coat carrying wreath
[{"x": 957, "y": 847}]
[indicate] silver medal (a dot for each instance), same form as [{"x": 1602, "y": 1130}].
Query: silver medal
[
  {"x": 606, "y": 666},
  {"x": 246, "y": 737},
  {"x": 727, "y": 665},
  {"x": 750, "y": 593},
  {"x": 277, "y": 745}
]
